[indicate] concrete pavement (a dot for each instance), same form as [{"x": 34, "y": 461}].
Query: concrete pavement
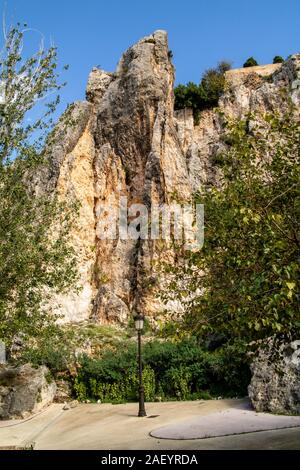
[{"x": 109, "y": 427}]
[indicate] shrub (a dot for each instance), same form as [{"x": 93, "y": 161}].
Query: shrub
[
  {"x": 212, "y": 84},
  {"x": 251, "y": 62},
  {"x": 182, "y": 370},
  {"x": 178, "y": 382},
  {"x": 53, "y": 349},
  {"x": 189, "y": 96},
  {"x": 91, "y": 383},
  {"x": 278, "y": 59},
  {"x": 206, "y": 94},
  {"x": 80, "y": 390}
]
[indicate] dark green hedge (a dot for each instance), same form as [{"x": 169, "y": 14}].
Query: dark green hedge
[{"x": 182, "y": 370}]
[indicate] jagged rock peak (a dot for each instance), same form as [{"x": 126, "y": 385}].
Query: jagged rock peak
[{"x": 140, "y": 60}]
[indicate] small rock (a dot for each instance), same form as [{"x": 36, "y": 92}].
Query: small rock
[
  {"x": 99, "y": 401},
  {"x": 66, "y": 407}
]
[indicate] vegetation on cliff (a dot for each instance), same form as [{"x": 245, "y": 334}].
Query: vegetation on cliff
[
  {"x": 278, "y": 59},
  {"x": 249, "y": 268},
  {"x": 206, "y": 94},
  {"x": 250, "y": 62}
]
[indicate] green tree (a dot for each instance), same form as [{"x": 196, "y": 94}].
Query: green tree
[
  {"x": 278, "y": 59},
  {"x": 35, "y": 255},
  {"x": 205, "y": 95},
  {"x": 189, "y": 96},
  {"x": 212, "y": 84},
  {"x": 249, "y": 268},
  {"x": 250, "y": 62}
]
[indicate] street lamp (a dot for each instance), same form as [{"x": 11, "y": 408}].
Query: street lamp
[{"x": 139, "y": 325}]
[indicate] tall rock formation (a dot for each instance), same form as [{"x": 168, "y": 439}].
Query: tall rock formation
[{"x": 126, "y": 141}]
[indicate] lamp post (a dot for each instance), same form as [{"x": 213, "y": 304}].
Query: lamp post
[{"x": 139, "y": 325}]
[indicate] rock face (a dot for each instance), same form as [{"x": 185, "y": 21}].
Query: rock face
[
  {"x": 258, "y": 89},
  {"x": 275, "y": 383},
  {"x": 125, "y": 141},
  {"x": 24, "y": 390}
]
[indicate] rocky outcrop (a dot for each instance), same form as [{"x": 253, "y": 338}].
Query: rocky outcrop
[
  {"x": 258, "y": 89},
  {"x": 275, "y": 383},
  {"x": 127, "y": 147},
  {"x": 125, "y": 141},
  {"x": 24, "y": 390}
]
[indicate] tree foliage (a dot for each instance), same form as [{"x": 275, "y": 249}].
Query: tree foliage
[
  {"x": 250, "y": 62},
  {"x": 244, "y": 283},
  {"x": 278, "y": 59},
  {"x": 206, "y": 94},
  {"x": 35, "y": 256}
]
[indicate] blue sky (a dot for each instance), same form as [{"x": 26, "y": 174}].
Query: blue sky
[{"x": 95, "y": 32}]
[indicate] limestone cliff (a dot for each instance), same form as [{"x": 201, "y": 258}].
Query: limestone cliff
[{"x": 127, "y": 141}]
